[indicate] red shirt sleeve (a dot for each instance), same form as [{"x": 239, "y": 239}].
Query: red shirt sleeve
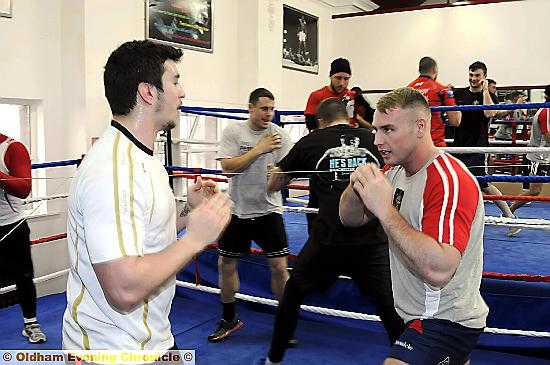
[
  {"x": 450, "y": 200},
  {"x": 544, "y": 121},
  {"x": 18, "y": 182},
  {"x": 312, "y": 103}
]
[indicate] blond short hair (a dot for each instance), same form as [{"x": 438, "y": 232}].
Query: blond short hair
[{"x": 404, "y": 98}]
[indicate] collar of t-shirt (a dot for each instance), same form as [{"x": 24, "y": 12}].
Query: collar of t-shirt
[{"x": 131, "y": 137}]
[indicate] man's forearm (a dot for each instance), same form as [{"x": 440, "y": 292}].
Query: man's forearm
[
  {"x": 16, "y": 186},
  {"x": 433, "y": 262},
  {"x": 455, "y": 118},
  {"x": 351, "y": 209},
  {"x": 240, "y": 163},
  {"x": 277, "y": 179},
  {"x": 130, "y": 280},
  {"x": 182, "y": 211}
]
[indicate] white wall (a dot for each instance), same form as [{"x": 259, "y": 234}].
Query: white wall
[
  {"x": 511, "y": 38},
  {"x": 296, "y": 85}
]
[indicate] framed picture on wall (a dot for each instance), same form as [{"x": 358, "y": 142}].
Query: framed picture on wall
[
  {"x": 300, "y": 41},
  {"x": 182, "y": 23},
  {"x": 5, "y": 8}
]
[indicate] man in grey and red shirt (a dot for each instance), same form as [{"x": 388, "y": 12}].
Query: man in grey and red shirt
[{"x": 432, "y": 211}]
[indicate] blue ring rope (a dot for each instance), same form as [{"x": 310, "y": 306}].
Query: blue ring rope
[
  {"x": 215, "y": 112},
  {"x": 55, "y": 164}
]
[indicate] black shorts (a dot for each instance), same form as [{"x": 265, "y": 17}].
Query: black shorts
[
  {"x": 268, "y": 231},
  {"x": 318, "y": 266},
  {"x": 15, "y": 250},
  {"x": 539, "y": 169},
  {"x": 435, "y": 341},
  {"x": 477, "y": 164}
]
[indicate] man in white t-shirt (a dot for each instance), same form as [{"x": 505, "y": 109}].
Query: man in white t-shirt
[{"x": 123, "y": 219}]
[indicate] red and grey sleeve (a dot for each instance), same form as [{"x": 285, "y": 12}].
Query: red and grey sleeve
[
  {"x": 450, "y": 203},
  {"x": 18, "y": 182}
]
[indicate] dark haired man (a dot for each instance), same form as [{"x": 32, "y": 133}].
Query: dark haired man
[
  {"x": 437, "y": 95},
  {"x": 340, "y": 73},
  {"x": 123, "y": 220},
  {"x": 247, "y": 150},
  {"x": 332, "y": 249},
  {"x": 473, "y": 131}
]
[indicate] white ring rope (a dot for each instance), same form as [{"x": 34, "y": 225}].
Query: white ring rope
[
  {"x": 309, "y": 308},
  {"x": 197, "y": 150},
  {"x": 497, "y": 141},
  {"x": 510, "y": 150},
  {"x": 342, "y": 313},
  {"x": 187, "y": 141},
  {"x": 531, "y": 223},
  {"x": 489, "y": 220},
  {"x": 297, "y": 200},
  {"x": 51, "y": 197},
  {"x": 300, "y": 209},
  {"x": 38, "y": 280},
  {"x": 193, "y": 141},
  {"x": 507, "y": 142}
]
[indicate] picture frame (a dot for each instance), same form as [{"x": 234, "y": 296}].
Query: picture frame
[
  {"x": 5, "y": 8},
  {"x": 180, "y": 23},
  {"x": 300, "y": 41}
]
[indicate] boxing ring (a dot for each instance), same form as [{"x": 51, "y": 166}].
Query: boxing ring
[{"x": 339, "y": 326}]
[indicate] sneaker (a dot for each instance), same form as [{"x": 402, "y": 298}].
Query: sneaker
[
  {"x": 512, "y": 231},
  {"x": 34, "y": 333},
  {"x": 225, "y": 328}
]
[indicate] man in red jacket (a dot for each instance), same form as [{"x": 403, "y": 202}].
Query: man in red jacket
[
  {"x": 437, "y": 95},
  {"x": 340, "y": 73},
  {"x": 15, "y": 260}
]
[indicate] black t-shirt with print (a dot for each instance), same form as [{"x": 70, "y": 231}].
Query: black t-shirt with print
[
  {"x": 335, "y": 152},
  {"x": 473, "y": 130}
]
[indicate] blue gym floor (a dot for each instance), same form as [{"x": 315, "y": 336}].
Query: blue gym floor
[{"x": 330, "y": 340}]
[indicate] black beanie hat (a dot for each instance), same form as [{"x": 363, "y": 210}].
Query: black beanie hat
[{"x": 339, "y": 65}]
